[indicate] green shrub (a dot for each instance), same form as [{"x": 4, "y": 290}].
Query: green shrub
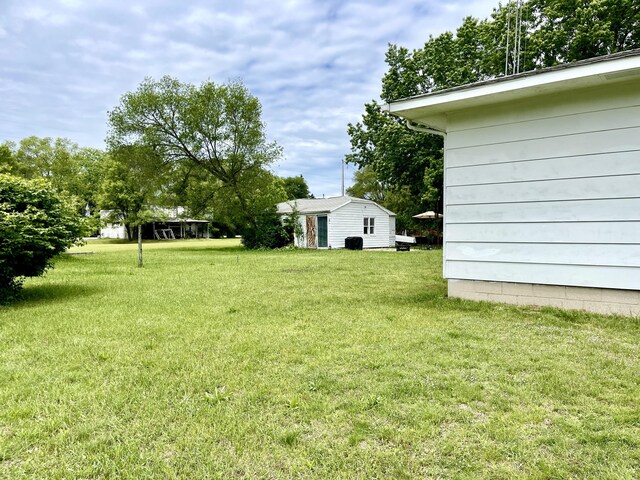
[
  {"x": 36, "y": 224},
  {"x": 269, "y": 231}
]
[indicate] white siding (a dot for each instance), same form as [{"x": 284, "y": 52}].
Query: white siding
[
  {"x": 546, "y": 190},
  {"x": 347, "y": 221},
  {"x": 113, "y": 231}
]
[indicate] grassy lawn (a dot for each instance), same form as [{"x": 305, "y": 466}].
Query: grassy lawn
[{"x": 213, "y": 362}]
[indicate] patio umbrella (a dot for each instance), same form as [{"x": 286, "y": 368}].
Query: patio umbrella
[{"x": 429, "y": 214}]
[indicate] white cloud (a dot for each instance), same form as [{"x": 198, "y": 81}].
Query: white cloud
[{"x": 312, "y": 63}]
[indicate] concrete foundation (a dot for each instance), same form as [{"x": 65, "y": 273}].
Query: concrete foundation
[{"x": 597, "y": 300}]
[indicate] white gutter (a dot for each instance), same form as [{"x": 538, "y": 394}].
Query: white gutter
[{"x": 415, "y": 126}]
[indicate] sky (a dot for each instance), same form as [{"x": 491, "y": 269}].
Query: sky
[{"x": 313, "y": 64}]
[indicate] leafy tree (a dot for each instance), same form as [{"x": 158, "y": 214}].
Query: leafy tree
[
  {"x": 296, "y": 187},
  {"x": 571, "y": 30},
  {"x": 36, "y": 224},
  {"x": 133, "y": 177},
  {"x": 208, "y": 197},
  {"x": 400, "y": 160},
  {"x": 216, "y": 128},
  {"x": 8, "y": 163},
  {"x": 366, "y": 184},
  {"x": 68, "y": 168}
]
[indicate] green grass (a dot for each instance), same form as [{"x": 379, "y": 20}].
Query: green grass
[{"x": 214, "y": 362}]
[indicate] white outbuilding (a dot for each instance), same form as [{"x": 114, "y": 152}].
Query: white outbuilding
[
  {"x": 542, "y": 184},
  {"x": 327, "y": 222}
]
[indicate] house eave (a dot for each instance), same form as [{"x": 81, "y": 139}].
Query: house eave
[{"x": 432, "y": 109}]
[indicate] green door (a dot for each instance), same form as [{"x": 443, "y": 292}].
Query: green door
[{"x": 322, "y": 232}]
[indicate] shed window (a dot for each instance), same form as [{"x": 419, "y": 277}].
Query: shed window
[{"x": 369, "y": 224}]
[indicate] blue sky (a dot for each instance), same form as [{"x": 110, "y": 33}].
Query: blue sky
[{"x": 312, "y": 64}]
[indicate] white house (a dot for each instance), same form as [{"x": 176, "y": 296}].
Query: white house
[
  {"x": 327, "y": 222},
  {"x": 542, "y": 184}
]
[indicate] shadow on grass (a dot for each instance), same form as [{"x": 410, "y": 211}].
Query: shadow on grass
[
  {"x": 436, "y": 298},
  {"x": 51, "y": 294},
  {"x": 209, "y": 249}
]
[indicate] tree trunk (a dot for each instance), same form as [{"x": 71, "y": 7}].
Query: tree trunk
[{"x": 140, "y": 246}]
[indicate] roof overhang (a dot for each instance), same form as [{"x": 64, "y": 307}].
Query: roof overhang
[{"x": 431, "y": 109}]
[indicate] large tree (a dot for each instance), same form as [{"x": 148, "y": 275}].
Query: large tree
[
  {"x": 212, "y": 128},
  {"x": 409, "y": 164}
]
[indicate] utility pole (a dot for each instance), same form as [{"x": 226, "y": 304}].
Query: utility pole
[{"x": 343, "y": 176}]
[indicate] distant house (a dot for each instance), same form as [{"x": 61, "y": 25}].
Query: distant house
[
  {"x": 542, "y": 184},
  {"x": 170, "y": 225},
  {"x": 327, "y": 222}
]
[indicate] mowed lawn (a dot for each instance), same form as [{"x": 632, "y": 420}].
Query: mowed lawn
[{"x": 214, "y": 362}]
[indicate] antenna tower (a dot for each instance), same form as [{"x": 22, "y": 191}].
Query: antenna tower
[{"x": 513, "y": 50}]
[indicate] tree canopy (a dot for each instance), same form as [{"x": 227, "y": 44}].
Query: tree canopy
[
  {"x": 69, "y": 169},
  {"x": 296, "y": 187},
  {"x": 133, "y": 180},
  {"x": 209, "y": 128}
]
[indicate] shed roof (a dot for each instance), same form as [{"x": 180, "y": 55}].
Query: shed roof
[
  {"x": 324, "y": 205},
  {"x": 430, "y": 109}
]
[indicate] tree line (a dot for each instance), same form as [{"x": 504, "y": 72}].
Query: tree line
[
  {"x": 402, "y": 169},
  {"x": 169, "y": 144}
]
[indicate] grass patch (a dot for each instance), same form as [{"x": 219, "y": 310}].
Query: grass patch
[{"x": 215, "y": 362}]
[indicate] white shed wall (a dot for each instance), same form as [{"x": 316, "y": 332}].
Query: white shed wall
[
  {"x": 347, "y": 221},
  {"x": 546, "y": 191},
  {"x": 113, "y": 231}
]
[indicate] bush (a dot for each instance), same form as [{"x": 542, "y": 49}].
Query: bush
[
  {"x": 268, "y": 232},
  {"x": 36, "y": 224}
]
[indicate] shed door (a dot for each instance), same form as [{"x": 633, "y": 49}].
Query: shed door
[
  {"x": 311, "y": 231},
  {"x": 322, "y": 232}
]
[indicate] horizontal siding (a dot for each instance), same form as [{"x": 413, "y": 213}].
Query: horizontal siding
[
  {"x": 392, "y": 231},
  {"x": 577, "y": 233},
  {"x": 546, "y": 191},
  {"x": 546, "y": 253},
  {"x": 544, "y": 147},
  {"x": 347, "y": 221},
  {"x": 569, "y": 124},
  {"x": 601, "y": 210},
  {"x": 563, "y": 105},
  {"x": 302, "y": 240},
  {"x": 623, "y": 186},
  {"x": 594, "y": 165},
  {"x": 624, "y": 278}
]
